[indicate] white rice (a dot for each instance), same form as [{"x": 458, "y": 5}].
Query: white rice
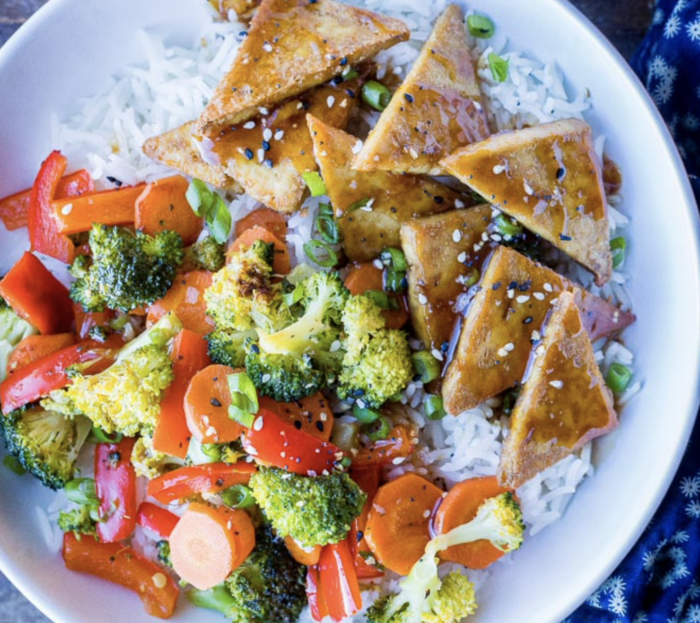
[{"x": 173, "y": 87}]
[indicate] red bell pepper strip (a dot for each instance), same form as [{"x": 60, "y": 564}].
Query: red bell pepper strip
[
  {"x": 14, "y": 210},
  {"x": 84, "y": 321},
  {"x": 397, "y": 445},
  {"x": 37, "y": 296},
  {"x": 368, "y": 480},
  {"x": 276, "y": 442},
  {"x": 43, "y": 231},
  {"x": 121, "y": 565},
  {"x": 318, "y": 607},
  {"x": 189, "y": 355},
  {"x": 337, "y": 581},
  {"x": 49, "y": 373},
  {"x": 207, "y": 478},
  {"x": 157, "y": 519},
  {"x": 109, "y": 207},
  {"x": 115, "y": 483}
]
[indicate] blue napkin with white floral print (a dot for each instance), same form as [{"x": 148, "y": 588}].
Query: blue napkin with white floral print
[{"x": 659, "y": 581}]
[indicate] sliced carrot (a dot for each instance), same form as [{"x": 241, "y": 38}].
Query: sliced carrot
[
  {"x": 399, "y": 444},
  {"x": 282, "y": 264},
  {"x": 366, "y": 276},
  {"x": 109, "y": 207},
  {"x": 398, "y": 523},
  {"x": 35, "y": 347},
  {"x": 459, "y": 507},
  {"x": 275, "y": 222},
  {"x": 368, "y": 480},
  {"x": 206, "y": 406},
  {"x": 209, "y": 542},
  {"x": 164, "y": 206},
  {"x": 312, "y": 414},
  {"x": 189, "y": 355},
  {"x": 84, "y": 321},
  {"x": 186, "y": 299},
  {"x": 302, "y": 555}
]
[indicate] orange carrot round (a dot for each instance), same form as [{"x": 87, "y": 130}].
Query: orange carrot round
[
  {"x": 302, "y": 555},
  {"x": 459, "y": 507},
  {"x": 397, "y": 529},
  {"x": 275, "y": 222},
  {"x": 366, "y": 276},
  {"x": 209, "y": 542},
  {"x": 186, "y": 299},
  {"x": 206, "y": 406},
  {"x": 163, "y": 206},
  {"x": 312, "y": 414},
  {"x": 282, "y": 264},
  {"x": 35, "y": 347}
]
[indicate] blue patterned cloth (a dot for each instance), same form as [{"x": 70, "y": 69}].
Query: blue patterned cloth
[{"x": 659, "y": 581}]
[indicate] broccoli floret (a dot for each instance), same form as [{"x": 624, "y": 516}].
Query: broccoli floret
[
  {"x": 242, "y": 295},
  {"x": 228, "y": 347},
  {"x": 377, "y": 370},
  {"x": 125, "y": 398},
  {"x": 127, "y": 269},
  {"x": 207, "y": 254},
  {"x": 45, "y": 443},
  {"x": 149, "y": 462},
  {"x": 81, "y": 520},
  {"x": 163, "y": 548},
  {"x": 284, "y": 378},
  {"x": 362, "y": 319},
  {"x": 269, "y": 587},
  {"x": 313, "y": 511},
  {"x": 13, "y": 330},
  {"x": 424, "y": 597}
]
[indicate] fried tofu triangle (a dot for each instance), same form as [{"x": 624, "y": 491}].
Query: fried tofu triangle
[
  {"x": 370, "y": 207},
  {"x": 292, "y": 46},
  {"x": 550, "y": 179},
  {"x": 436, "y": 110},
  {"x": 179, "y": 149},
  {"x": 503, "y": 321},
  {"x": 564, "y": 402}
]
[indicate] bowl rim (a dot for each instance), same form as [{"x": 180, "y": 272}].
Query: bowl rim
[{"x": 45, "y": 13}]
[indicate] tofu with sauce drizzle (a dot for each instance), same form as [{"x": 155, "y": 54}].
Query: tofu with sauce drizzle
[
  {"x": 291, "y": 47},
  {"x": 503, "y": 322},
  {"x": 549, "y": 178},
  {"x": 371, "y": 207},
  {"x": 564, "y": 402},
  {"x": 436, "y": 110},
  {"x": 445, "y": 253}
]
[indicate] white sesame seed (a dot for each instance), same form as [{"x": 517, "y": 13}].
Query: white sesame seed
[
  {"x": 557, "y": 384},
  {"x": 511, "y": 294},
  {"x": 539, "y": 350},
  {"x": 300, "y": 105},
  {"x": 496, "y": 237},
  {"x": 249, "y": 125},
  {"x": 357, "y": 147},
  {"x": 422, "y": 299},
  {"x": 267, "y": 47},
  {"x": 502, "y": 352},
  {"x": 344, "y": 103},
  {"x": 67, "y": 209},
  {"x": 528, "y": 188},
  {"x": 456, "y": 235},
  {"x": 426, "y": 513},
  {"x": 547, "y": 287},
  {"x": 398, "y": 460},
  {"x": 263, "y": 111},
  {"x": 367, "y": 208},
  {"x": 283, "y": 454},
  {"x": 323, "y": 416},
  {"x": 279, "y": 134},
  {"x": 258, "y": 424},
  {"x": 509, "y": 347},
  {"x": 459, "y": 204},
  {"x": 536, "y": 336},
  {"x": 159, "y": 580},
  {"x": 413, "y": 153},
  {"x": 261, "y": 155},
  {"x": 437, "y": 354},
  {"x": 335, "y": 346},
  {"x": 484, "y": 236},
  {"x": 267, "y": 134},
  {"x": 266, "y": 378},
  {"x": 462, "y": 257},
  {"x": 378, "y": 264},
  {"x": 498, "y": 169},
  {"x": 523, "y": 298},
  {"x": 330, "y": 101},
  {"x": 210, "y": 432},
  {"x": 538, "y": 295}
]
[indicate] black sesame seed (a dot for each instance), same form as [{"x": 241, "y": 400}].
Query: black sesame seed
[
  {"x": 496, "y": 286},
  {"x": 249, "y": 154},
  {"x": 438, "y": 200},
  {"x": 268, "y": 163},
  {"x": 266, "y": 146},
  {"x": 306, "y": 105},
  {"x": 215, "y": 402},
  {"x": 114, "y": 181},
  {"x": 512, "y": 285},
  {"x": 319, "y": 425},
  {"x": 564, "y": 237},
  {"x": 525, "y": 285},
  {"x": 444, "y": 346},
  {"x": 409, "y": 98},
  {"x": 297, "y": 424},
  {"x": 343, "y": 61},
  {"x": 351, "y": 93},
  {"x": 561, "y": 171},
  {"x": 527, "y": 320},
  {"x": 336, "y": 81}
]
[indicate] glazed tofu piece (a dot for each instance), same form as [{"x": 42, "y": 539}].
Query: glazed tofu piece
[
  {"x": 268, "y": 154},
  {"x": 445, "y": 253},
  {"x": 291, "y": 47},
  {"x": 505, "y": 318},
  {"x": 549, "y": 178},
  {"x": 436, "y": 110},
  {"x": 181, "y": 149},
  {"x": 564, "y": 403},
  {"x": 371, "y": 207}
]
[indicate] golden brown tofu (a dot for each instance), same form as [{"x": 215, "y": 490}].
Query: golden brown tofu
[
  {"x": 436, "y": 110},
  {"x": 442, "y": 264},
  {"x": 179, "y": 149},
  {"x": 370, "y": 207},
  {"x": 505, "y": 318},
  {"x": 550, "y": 179},
  {"x": 292, "y": 46},
  {"x": 564, "y": 403},
  {"x": 268, "y": 154}
]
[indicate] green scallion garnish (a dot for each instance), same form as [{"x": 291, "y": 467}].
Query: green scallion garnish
[
  {"x": 103, "y": 437},
  {"x": 426, "y": 366},
  {"x": 507, "y": 226},
  {"x": 618, "y": 247},
  {"x": 434, "y": 407},
  {"x": 365, "y": 415},
  {"x": 480, "y": 26},
  {"x": 618, "y": 378},
  {"x": 244, "y": 399},
  {"x": 499, "y": 67},
  {"x": 376, "y": 95},
  {"x": 315, "y": 183},
  {"x": 238, "y": 496},
  {"x": 315, "y": 250}
]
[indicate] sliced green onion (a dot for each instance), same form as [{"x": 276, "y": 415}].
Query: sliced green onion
[
  {"x": 395, "y": 281},
  {"x": 426, "y": 365},
  {"x": 219, "y": 220},
  {"x": 325, "y": 209},
  {"x": 364, "y": 415},
  {"x": 480, "y": 26},
  {"x": 394, "y": 258},
  {"x": 379, "y": 298},
  {"x": 346, "y": 462},
  {"x": 434, "y": 408},
  {"x": 345, "y": 435},
  {"x": 312, "y": 248},
  {"x": 244, "y": 399},
  {"x": 12, "y": 463},
  {"x": 507, "y": 226},
  {"x": 499, "y": 67},
  {"x": 327, "y": 229},
  {"x": 618, "y": 377},
  {"x": 618, "y": 246},
  {"x": 315, "y": 183},
  {"x": 212, "y": 451},
  {"x": 199, "y": 197},
  {"x": 349, "y": 73},
  {"x": 376, "y": 95},
  {"x": 359, "y": 204},
  {"x": 103, "y": 437},
  {"x": 82, "y": 491},
  {"x": 379, "y": 430},
  {"x": 473, "y": 278},
  {"x": 238, "y": 496}
]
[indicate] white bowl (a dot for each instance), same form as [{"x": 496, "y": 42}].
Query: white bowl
[{"x": 70, "y": 48}]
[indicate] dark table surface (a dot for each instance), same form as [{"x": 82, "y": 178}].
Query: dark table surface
[{"x": 624, "y": 22}]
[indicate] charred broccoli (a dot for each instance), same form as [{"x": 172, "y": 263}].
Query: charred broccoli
[
  {"x": 81, "y": 520},
  {"x": 207, "y": 254},
  {"x": 228, "y": 347},
  {"x": 149, "y": 462}
]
